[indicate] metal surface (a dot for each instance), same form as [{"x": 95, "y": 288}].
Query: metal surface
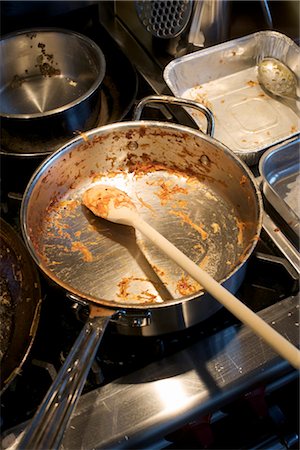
[
  {"x": 50, "y": 85},
  {"x": 280, "y": 169},
  {"x": 147, "y": 159},
  {"x": 224, "y": 78},
  {"x": 145, "y": 406},
  {"x": 177, "y": 178},
  {"x": 164, "y": 19},
  {"x": 20, "y": 303},
  {"x": 277, "y": 78},
  {"x": 282, "y": 242},
  {"x": 267, "y": 14},
  {"x": 117, "y": 95},
  {"x": 210, "y": 127},
  {"x": 210, "y": 24},
  {"x": 48, "y": 425}
]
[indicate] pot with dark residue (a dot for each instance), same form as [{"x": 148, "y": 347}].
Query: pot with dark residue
[{"x": 50, "y": 88}]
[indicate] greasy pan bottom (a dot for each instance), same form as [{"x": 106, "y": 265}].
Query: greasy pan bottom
[
  {"x": 82, "y": 248},
  {"x": 205, "y": 205}
]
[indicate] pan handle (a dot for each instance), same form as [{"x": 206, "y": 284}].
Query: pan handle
[
  {"x": 180, "y": 102},
  {"x": 50, "y": 421}
]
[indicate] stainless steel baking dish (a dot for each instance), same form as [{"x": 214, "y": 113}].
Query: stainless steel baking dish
[
  {"x": 224, "y": 78},
  {"x": 280, "y": 171}
]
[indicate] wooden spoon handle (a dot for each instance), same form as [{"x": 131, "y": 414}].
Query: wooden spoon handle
[{"x": 281, "y": 345}]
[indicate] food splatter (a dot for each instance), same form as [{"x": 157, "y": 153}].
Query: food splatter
[
  {"x": 80, "y": 247},
  {"x": 144, "y": 296},
  {"x": 186, "y": 285},
  {"x": 189, "y": 221},
  {"x": 168, "y": 190}
]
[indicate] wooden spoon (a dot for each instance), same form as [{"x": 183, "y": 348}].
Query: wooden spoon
[{"x": 116, "y": 206}]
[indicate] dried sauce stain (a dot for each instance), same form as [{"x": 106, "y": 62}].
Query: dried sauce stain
[
  {"x": 57, "y": 229},
  {"x": 80, "y": 247},
  {"x": 143, "y": 297},
  {"x": 180, "y": 204},
  {"x": 68, "y": 205},
  {"x": 147, "y": 165},
  {"x": 240, "y": 227},
  {"x": 187, "y": 286},
  {"x": 159, "y": 271},
  {"x": 145, "y": 204},
  {"x": 201, "y": 97},
  {"x": 83, "y": 136},
  {"x": 215, "y": 227},
  {"x": 252, "y": 83},
  {"x": 199, "y": 247},
  {"x": 188, "y": 220},
  {"x": 168, "y": 190},
  {"x": 243, "y": 180},
  {"x": 244, "y": 254}
]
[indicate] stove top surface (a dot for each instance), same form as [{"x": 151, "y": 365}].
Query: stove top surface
[{"x": 142, "y": 389}]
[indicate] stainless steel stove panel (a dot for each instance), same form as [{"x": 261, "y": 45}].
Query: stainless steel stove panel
[{"x": 151, "y": 402}]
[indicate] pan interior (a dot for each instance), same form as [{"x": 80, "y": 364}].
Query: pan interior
[{"x": 112, "y": 263}]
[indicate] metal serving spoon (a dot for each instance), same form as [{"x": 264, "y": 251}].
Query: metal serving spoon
[
  {"x": 277, "y": 78},
  {"x": 116, "y": 206}
]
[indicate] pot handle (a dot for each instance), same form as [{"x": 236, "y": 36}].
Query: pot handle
[
  {"x": 50, "y": 421},
  {"x": 180, "y": 102}
]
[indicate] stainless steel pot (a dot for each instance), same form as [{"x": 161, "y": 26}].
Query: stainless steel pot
[
  {"x": 50, "y": 88},
  {"x": 190, "y": 187}
]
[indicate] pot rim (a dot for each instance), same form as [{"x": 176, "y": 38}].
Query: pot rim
[
  {"x": 115, "y": 305},
  {"x": 96, "y": 84}
]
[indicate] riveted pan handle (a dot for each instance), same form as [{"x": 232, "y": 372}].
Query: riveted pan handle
[
  {"x": 49, "y": 423},
  {"x": 180, "y": 102}
]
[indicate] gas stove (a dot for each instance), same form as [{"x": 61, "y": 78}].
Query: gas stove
[
  {"x": 181, "y": 387},
  {"x": 215, "y": 385}
]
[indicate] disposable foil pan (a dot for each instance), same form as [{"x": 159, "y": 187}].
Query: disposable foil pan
[
  {"x": 280, "y": 171},
  {"x": 224, "y": 78}
]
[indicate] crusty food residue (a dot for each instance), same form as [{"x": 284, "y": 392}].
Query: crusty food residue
[
  {"x": 201, "y": 97},
  {"x": 80, "y": 247},
  {"x": 240, "y": 226},
  {"x": 143, "y": 297},
  {"x": 145, "y": 204},
  {"x": 216, "y": 227},
  {"x": 187, "y": 286},
  {"x": 243, "y": 180},
  {"x": 167, "y": 191},
  {"x": 189, "y": 221}
]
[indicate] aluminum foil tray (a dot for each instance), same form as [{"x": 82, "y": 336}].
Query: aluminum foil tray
[
  {"x": 280, "y": 171},
  {"x": 224, "y": 78}
]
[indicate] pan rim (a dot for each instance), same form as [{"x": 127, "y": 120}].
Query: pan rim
[{"x": 69, "y": 146}]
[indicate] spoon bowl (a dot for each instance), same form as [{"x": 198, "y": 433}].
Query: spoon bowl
[
  {"x": 277, "y": 78},
  {"x": 116, "y": 206}
]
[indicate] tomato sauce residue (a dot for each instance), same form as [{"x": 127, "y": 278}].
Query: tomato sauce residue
[
  {"x": 188, "y": 220},
  {"x": 167, "y": 191},
  {"x": 80, "y": 247},
  {"x": 187, "y": 286},
  {"x": 143, "y": 297},
  {"x": 240, "y": 226}
]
